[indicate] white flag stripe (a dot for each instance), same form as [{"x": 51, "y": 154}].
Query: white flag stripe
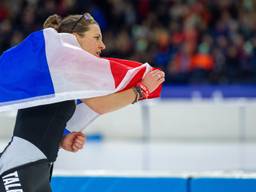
[{"x": 73, "y": 69}]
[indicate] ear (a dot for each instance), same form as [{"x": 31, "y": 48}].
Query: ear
[
  {"x": 76, "y": 35},
  {"x": 78, "y": 38}
]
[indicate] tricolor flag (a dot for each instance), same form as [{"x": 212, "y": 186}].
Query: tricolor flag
[{"x": 49, "y": 67}]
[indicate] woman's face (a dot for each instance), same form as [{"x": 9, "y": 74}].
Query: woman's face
[{"x": 92, "y": 40}]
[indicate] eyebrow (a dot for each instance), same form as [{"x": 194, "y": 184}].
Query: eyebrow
[{"x": 98, "y": 35}]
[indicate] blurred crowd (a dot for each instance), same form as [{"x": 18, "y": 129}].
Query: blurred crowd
[{"x": 193, "y": 41}]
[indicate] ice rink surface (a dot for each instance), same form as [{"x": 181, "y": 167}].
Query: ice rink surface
[
  {"x": 158, "y": 156},
  {"x": 170, "y": 157}
]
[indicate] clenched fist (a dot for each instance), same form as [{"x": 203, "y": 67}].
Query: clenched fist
[{"x": 73, "y": 142}]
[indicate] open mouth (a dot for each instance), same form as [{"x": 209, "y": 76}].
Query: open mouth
[{"x": 98, "y": 53}]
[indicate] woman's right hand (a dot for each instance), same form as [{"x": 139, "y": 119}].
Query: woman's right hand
[
  {"x": 73, "y": 142},
  {"x": 153, "y": 79}
]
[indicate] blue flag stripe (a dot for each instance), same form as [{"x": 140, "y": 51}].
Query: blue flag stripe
[{"x": 24, "y": 70}]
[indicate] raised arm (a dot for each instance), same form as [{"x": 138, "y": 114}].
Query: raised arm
[
  {"x": 74, "y": 141},
  {"x": 119, "y": 100}
]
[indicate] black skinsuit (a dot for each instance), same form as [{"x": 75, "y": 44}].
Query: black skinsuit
[{"x": 42, "y": 126}]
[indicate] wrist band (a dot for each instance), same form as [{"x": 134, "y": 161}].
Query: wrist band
[
  {"x": 136, "y": 94},
  {"x": 144, "y": 91},
  {"x": 141, "y": 92}
]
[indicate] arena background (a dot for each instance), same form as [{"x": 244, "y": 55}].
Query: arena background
[{"x": 200, "y": 135}]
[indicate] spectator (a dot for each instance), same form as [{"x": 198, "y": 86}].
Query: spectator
[{"x": 167, "y": 34}]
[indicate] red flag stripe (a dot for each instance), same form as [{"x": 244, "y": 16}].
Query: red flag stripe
[{"x": 120, "y": 67}]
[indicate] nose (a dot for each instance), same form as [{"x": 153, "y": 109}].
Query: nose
[{"x": 102, "y": 45}]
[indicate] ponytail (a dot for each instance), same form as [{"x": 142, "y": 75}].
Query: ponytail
[
  {"x": 53, "y": 21},
  {"x": 70, "y": 24}
]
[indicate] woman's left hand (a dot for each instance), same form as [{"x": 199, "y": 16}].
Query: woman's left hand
[
  {"x": 153, "y": 79},
  {"x": 73, "y": 142}
]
